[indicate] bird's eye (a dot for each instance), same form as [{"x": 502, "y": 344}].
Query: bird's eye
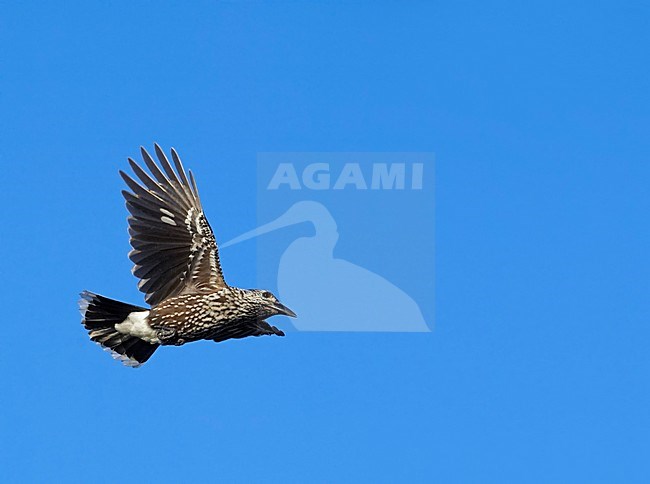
[{"x": 267, "y": 295}]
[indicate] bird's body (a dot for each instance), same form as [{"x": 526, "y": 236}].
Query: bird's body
[
  {"x": 218, "y": 315},
  {"x": 177, "y": 260}
]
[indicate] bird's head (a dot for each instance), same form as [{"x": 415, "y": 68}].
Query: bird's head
[{"x": 266, "y": 304}]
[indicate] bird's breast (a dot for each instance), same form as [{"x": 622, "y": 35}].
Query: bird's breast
[{"x": 188, "y": 317}]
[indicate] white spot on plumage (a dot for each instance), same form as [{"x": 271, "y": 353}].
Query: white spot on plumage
[
  {"x": 125, "y": 360},
  {"x": 197, "y": 224},
  {"x": 83, "y": 307},
  {"x": 136, "y": 325},
  {"x": 166, "y": 212},
  {"x": 167, "y": 220},
  {"x": 188, "y": 219}
]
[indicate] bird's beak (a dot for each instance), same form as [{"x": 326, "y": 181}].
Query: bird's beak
[{"x": 282, "y": 309}]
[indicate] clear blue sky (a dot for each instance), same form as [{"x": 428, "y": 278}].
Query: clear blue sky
[{"x": 538, "y": 369}]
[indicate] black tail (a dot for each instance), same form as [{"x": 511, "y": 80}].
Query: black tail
[{"x": 100, "y": 315}]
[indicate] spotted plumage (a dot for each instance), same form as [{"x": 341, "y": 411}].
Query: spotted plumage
[{"x": 176, "y": 258}]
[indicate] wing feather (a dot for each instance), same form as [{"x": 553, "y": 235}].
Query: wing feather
[
  {"x": 155, "y": 171},
  {"x": 195, "y": 188},
  {"x": 174, "y": 249},
  {"x": 172, "y": 176},
  {"x": 257, "y": 328},
  {"x": 164, "y": 162},
  {"x": 143, "y": 258},
  {"x": 180, "y": 169}
]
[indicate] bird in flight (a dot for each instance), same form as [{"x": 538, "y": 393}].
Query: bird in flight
[{"x": 177, "y": 261}]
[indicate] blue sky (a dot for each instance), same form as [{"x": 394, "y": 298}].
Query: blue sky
[{"x": 537, "y": 370}]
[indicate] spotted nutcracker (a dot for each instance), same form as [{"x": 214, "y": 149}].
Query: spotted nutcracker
[{"x": 177, "y": 261}]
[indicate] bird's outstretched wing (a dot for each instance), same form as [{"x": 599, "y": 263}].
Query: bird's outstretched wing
[{"x": 174, "y": 249}]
